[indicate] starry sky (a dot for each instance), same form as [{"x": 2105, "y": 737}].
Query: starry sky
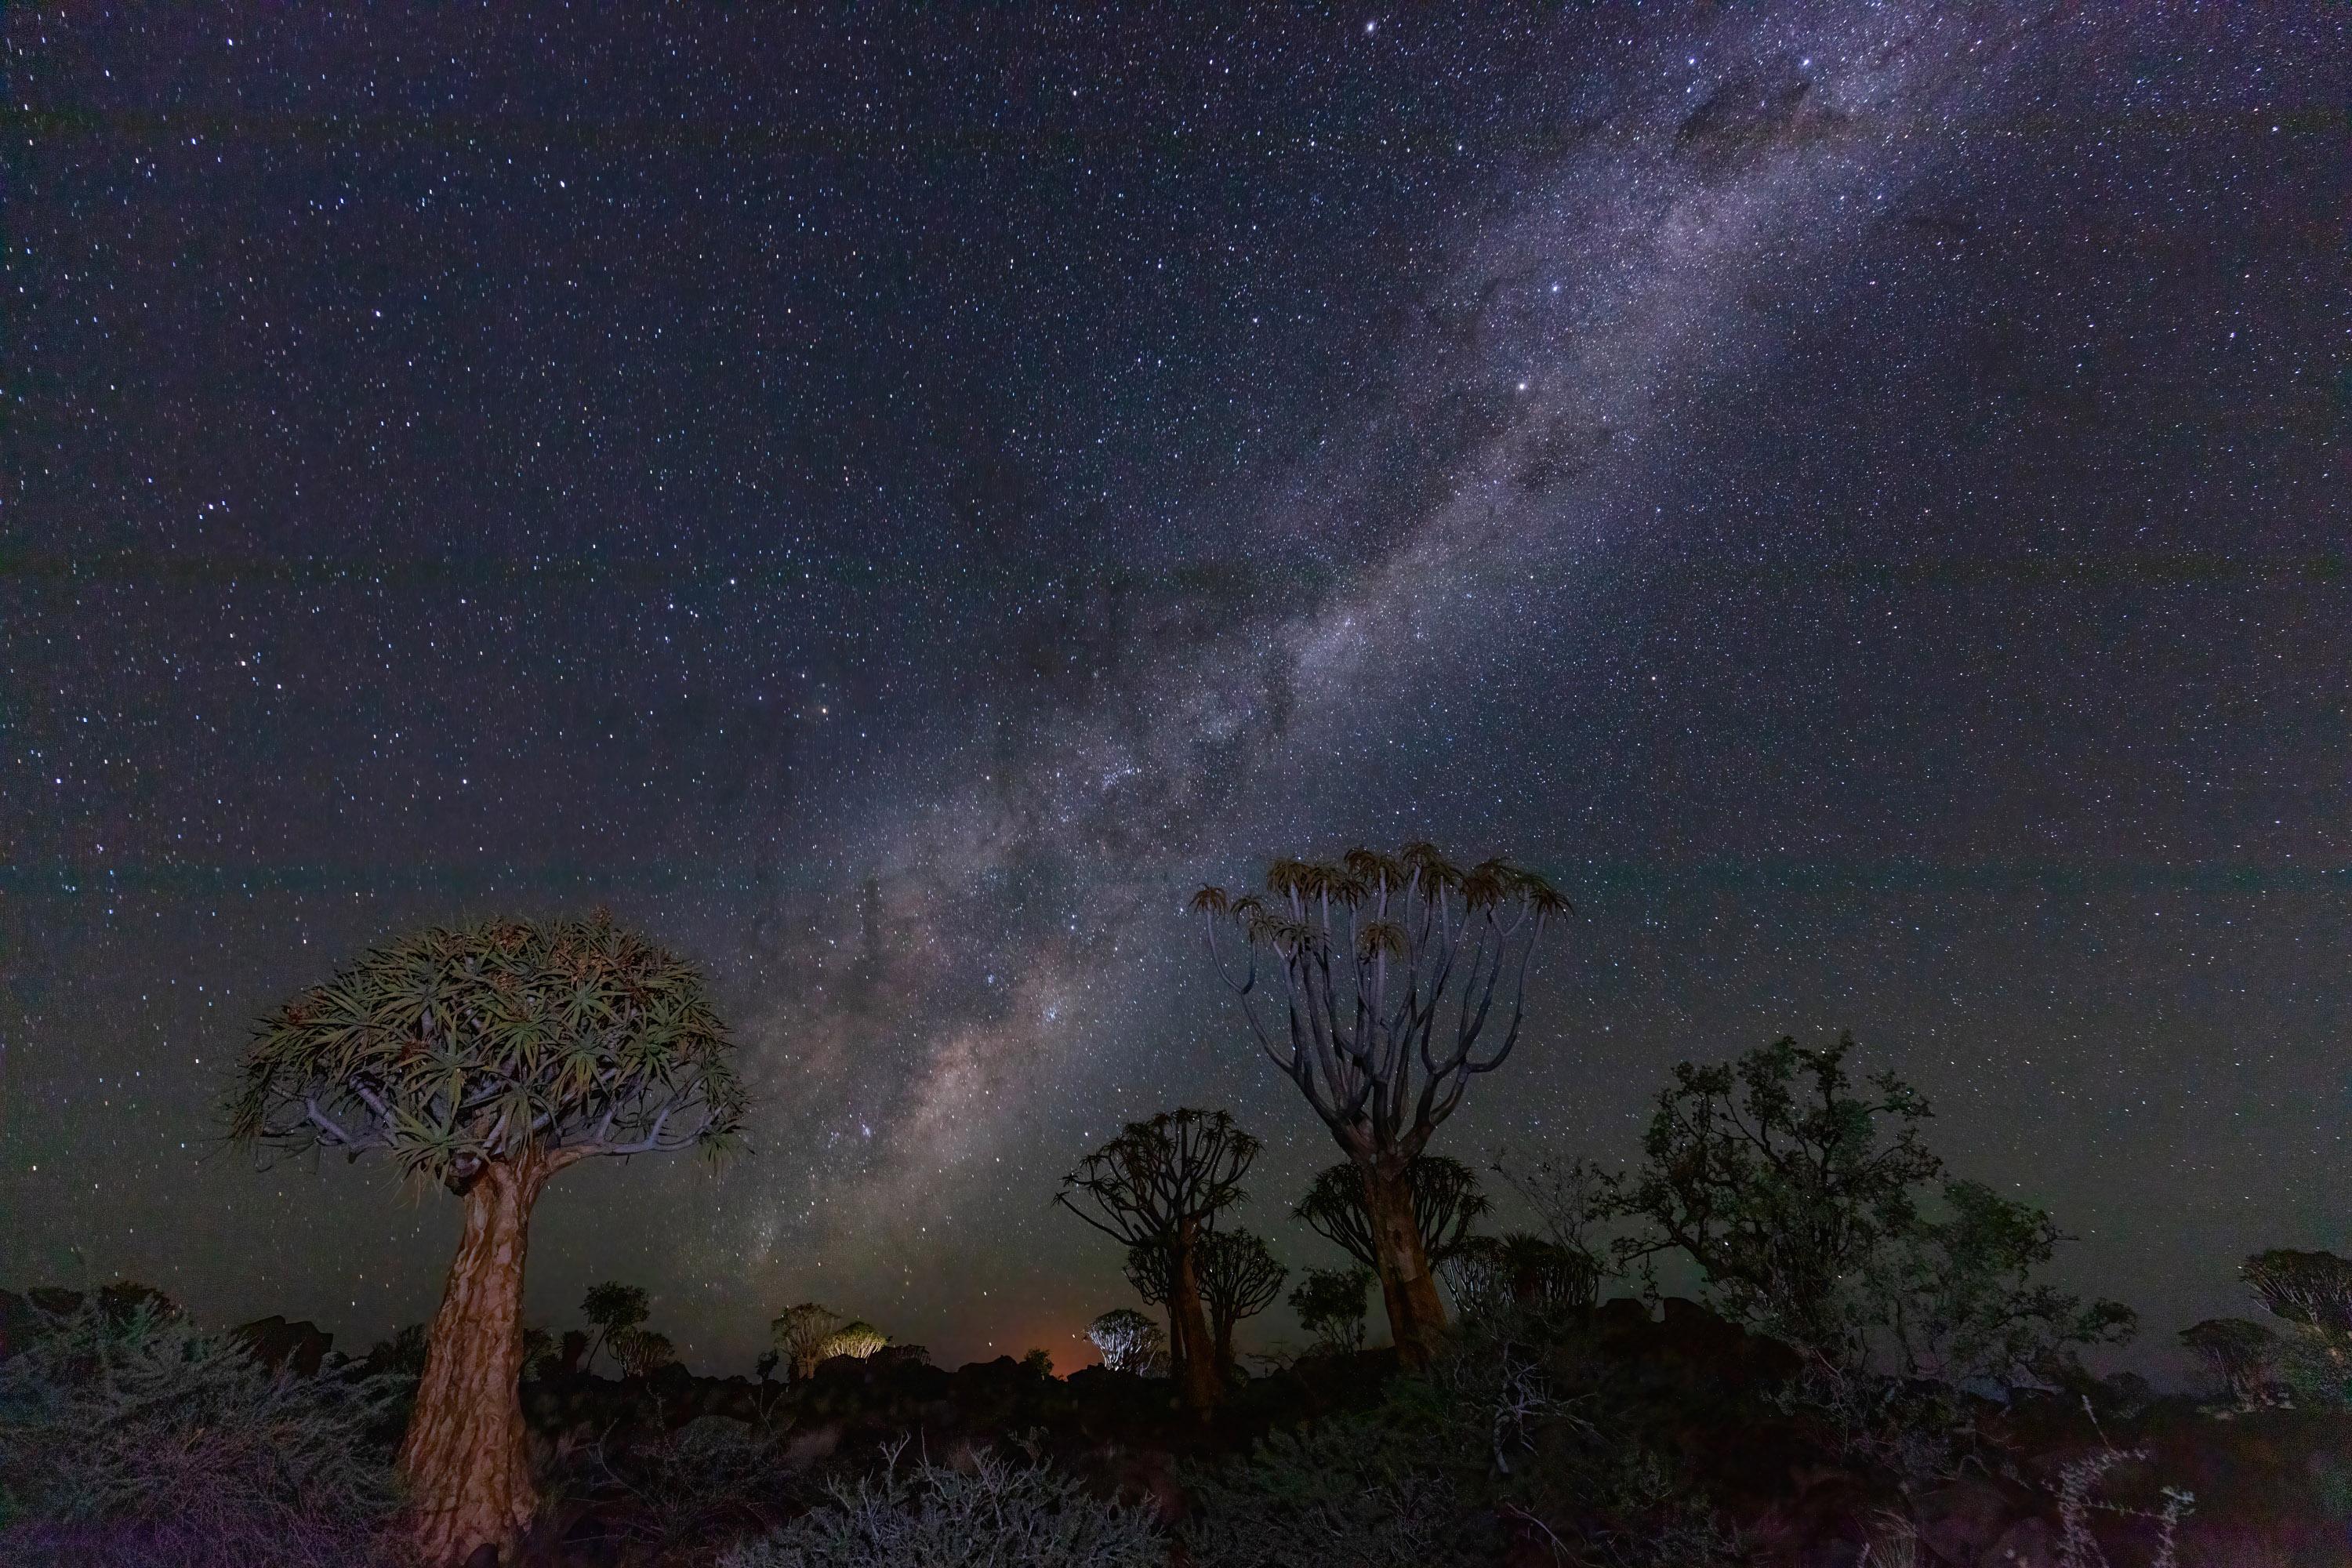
[{"x": 890, "y": 503}]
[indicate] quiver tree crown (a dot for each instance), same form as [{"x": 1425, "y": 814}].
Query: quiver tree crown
[
  {"x": 455, "y": 1047},
  {"x": 1400, "y": 977}
]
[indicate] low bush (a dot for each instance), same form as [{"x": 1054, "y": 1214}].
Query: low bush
[
  {"x": 997, "y": 1514},
  {"x": 135, "y": 1438}
]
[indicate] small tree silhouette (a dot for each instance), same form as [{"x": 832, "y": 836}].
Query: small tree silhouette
[
  {"x": 1402, "y": 977},
  {"x": 1159, "y": 1185},
  {"x": 1239, "y": 1278},
  {"x": 488, "y": 1059},
  {"x": 1330, "y": 1306},
  {"x": 2240, "y": 1353},
  {"x": 643, "y": 1353},
  {"x": 613, "y": 1309}
]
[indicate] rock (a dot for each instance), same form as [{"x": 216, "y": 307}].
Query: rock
[
  {"x": 1960, "y": 1521},
  {"x": 300, "y": 1348},
  {"x": 2028, "y": 1543}
]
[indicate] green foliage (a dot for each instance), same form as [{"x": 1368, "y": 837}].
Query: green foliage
[
  {"x": 1955, "y": 1300},
  {"x": 1800, "y": 1202},
  {"x": 1330, "y": 1306},
  {"x": 996, "y": 1514},
  {"x": 1446, "y": 1202},
  {"x": 135, "y": 1438},
  {"x": 613, "y": 1305},
  {"x": 1808, "y": 1208},
  {"x": 1778, "y": 1181},
  {"x": 451, "y": 1048},
  {"x": 1492, "y": 1447}
]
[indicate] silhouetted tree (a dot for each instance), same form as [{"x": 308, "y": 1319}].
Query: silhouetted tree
[
  {"x": 1159, "y": 1184},
  {"x": 1402, "y": 977},
  {"x": 766, "y": 1365},
  {"x": 1330, "y": 1306},
  {"x": 800, "y": 1334},
  {"x": 488, "y": 1060},
  {"x": 643, "y": 1353},
  {"x": 1799, "y": 1200},
  {"x": 1575, "y": 1198},
  {"x": 1446, "y": 1202},
  {"x": 1130, "y": 1342},
  {"x": 2240, "y": 1354},
  {"x": 613, "y": 1309},
  {"x": 1532, "y": 1273},
  {"x": 1777, "y": 1180},
  {"x": 1239, "y": 1278}
]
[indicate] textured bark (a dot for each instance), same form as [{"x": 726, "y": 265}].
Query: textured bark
[
  {"x": 1416, "y": 1316},
  {"x": 467, "y": 1456},
  {"x": 1192, "y": 1351}
]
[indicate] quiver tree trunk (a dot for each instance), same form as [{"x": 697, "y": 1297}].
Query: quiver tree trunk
[
  {"x": 1191, "y": 1351},
  {"x": 1416, "y": 1316},
  {"x": 467, "y": 1456}
]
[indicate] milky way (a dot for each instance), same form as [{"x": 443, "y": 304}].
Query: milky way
[{"x": 1846, "y": 490}]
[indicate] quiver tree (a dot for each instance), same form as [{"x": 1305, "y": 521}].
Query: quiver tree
[
  {"x": 2238, "y": 1353},
  {"x": 858, "y": 1340},
  {"x": 800, "y": 1334},
  {"x": 2312, "y": 1291},
  {"x": 1130, "y": 1342},
  {"x": 613, "y": 1309},
  {"x": 1402, "y": 978},
  {"x": 643, "y": 1351},
  {"x": 1158, "y": 1187},
  {"x": 1446, "y": 1202},
  {"x": 1239, "y": 1278},
  {"x": 1489, "y": 1275},
  {"x": 487, "y": 1059}
]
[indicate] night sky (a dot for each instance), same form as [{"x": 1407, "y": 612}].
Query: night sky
[{"x": 890, "y": 503}]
